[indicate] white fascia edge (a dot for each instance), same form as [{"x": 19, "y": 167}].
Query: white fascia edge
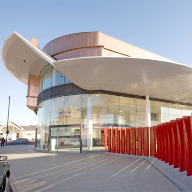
[{"x": 35, "y": 49}]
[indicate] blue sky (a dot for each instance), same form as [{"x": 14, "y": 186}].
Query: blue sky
[{"x": 163, "y": 27}]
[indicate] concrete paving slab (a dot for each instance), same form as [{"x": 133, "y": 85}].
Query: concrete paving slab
[{"x": 89, "y": 171}]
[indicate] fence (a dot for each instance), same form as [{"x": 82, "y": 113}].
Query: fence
[{"x": 170, "y": 142}]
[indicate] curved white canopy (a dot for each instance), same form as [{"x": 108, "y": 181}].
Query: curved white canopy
[
  {"x": 15, "y": 49},
  {"x": 158, "y": 79}
]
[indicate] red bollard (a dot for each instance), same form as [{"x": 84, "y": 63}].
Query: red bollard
[
  {"x": 188, "y": 127},
  {"x": 152, "y": 142},
  {"x": 140, "y": 140},
  {"x": 105, "y": 133},
  {"x": 176, "y": 144},
  {"x": 109, "y": 138},
  {"x": 123, "y": 140},
  {"x": 133, "y": 141},
  {"x": 180, "y": 125},
  {"x": 128, "y": 141},
  {"x": 146, "y": 141}
]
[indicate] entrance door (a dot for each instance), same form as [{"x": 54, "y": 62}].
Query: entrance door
[{"x": 65, "y": 138}]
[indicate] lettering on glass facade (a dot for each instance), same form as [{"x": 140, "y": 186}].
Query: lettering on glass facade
[{"x": 64, "y": 114}]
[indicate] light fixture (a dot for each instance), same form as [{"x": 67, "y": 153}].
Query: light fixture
[
  {"x": 24, "y": 57},
  {"x": 96, "y": 95}
]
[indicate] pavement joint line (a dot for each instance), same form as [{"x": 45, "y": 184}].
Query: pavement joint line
[
  {"x": 60, "y": 182},
  {"x": 81, "y": 173},
  {"x": 138, "y": 166},
  {"x": 63, "y": 170},
  {"x": 167, "y": 177},
  {"x": 125, "y": 167},
  {"x": 57, "y": 166}
]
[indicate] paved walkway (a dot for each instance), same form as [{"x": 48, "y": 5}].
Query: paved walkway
[{"x": 89, "y": 171}]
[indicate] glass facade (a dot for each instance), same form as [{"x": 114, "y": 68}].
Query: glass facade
[
  {"x": 162, "y": 112},
  {"x": 50, "y": 76},
  {"x": 106, "y": 110},
  {"x": 64, "y": 121}
]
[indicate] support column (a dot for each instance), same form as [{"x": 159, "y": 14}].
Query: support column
[
  {"x": 89, "y": 123},
  {"x": 147, "y": 110},
  {"x": 148, "y": 119}
]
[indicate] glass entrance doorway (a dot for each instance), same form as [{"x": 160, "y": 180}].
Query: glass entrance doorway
[{"x": 65, "y": 138}]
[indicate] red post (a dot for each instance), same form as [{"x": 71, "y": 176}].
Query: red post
[
  {"x": 176, "y": 144},
  {"x": 128, "y": 141},
  {"x": 152, "y": 142},
  {"x": 161, "y": 142},
  {"x": 123, "y": 140},
  {"x": 118, "y": 140},
  {"x": 171, "y": 143},
  {"x": 146, "y": 141},
  {"x": 140, "y": 140},
  {"x": 158, "y": 142},
  {"x": 105, "y": 133},
  {"x": 133, "y": 141},
  {"x": 109, "y": 138},
  {"x": 114, "y": 140},
  {"x": 167, "y": 144},
  {"x": 180, "y": 125},
  {"x": 188, "y": 126}
]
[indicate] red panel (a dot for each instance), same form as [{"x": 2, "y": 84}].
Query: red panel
[
  {"x": 158, "y": 142},
  {"x": 167, "y": 145},
  {"x": 146, "y": 141},
  {"x": 133, "y": 141},
  {"x": 105, "y": 133},
  {"x": 139, "y": 143},
  {"x": 123, "y": 140},
  {"x": 176, "y": 144},
  {"x": 118, "y": 140},
  {"x": 155, "y": 138},
  {"x": 188, "y": 126},
  {"x": 128, "y": 141},
  {"x": 171, "y": 143},
  {"x": 114, "y": 140},
  {"x": 109, "y": 138},
  {"x": 182, "y": 158},
  {"x": 152, "y": 142},
  {"x": 161, "y": 142}
]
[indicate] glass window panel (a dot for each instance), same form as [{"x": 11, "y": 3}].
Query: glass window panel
[
  {"x": 47, "y": 78},
  {"x": 72, "y": 109},
  {"x": 57, "y": 77},
  {"x": 46, "y": 106},
  {"x": 41, "y": 81},
  {"x": 58, "y": 104},
  {"x": 67, "y": 80}
]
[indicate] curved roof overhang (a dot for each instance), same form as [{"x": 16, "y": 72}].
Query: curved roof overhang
[
  {"x": 158, "y": 79},
  {"x": 15, "y": 49}
]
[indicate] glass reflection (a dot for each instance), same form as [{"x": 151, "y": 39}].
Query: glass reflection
[
  {"x": 50, "y": 76},
  {"x": 106, "y": 110}
]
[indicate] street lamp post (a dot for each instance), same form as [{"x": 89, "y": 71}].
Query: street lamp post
[{"x": 7, "y": 132}]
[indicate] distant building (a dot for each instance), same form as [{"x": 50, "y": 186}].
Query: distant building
[{"x": 18, "y": 131}]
